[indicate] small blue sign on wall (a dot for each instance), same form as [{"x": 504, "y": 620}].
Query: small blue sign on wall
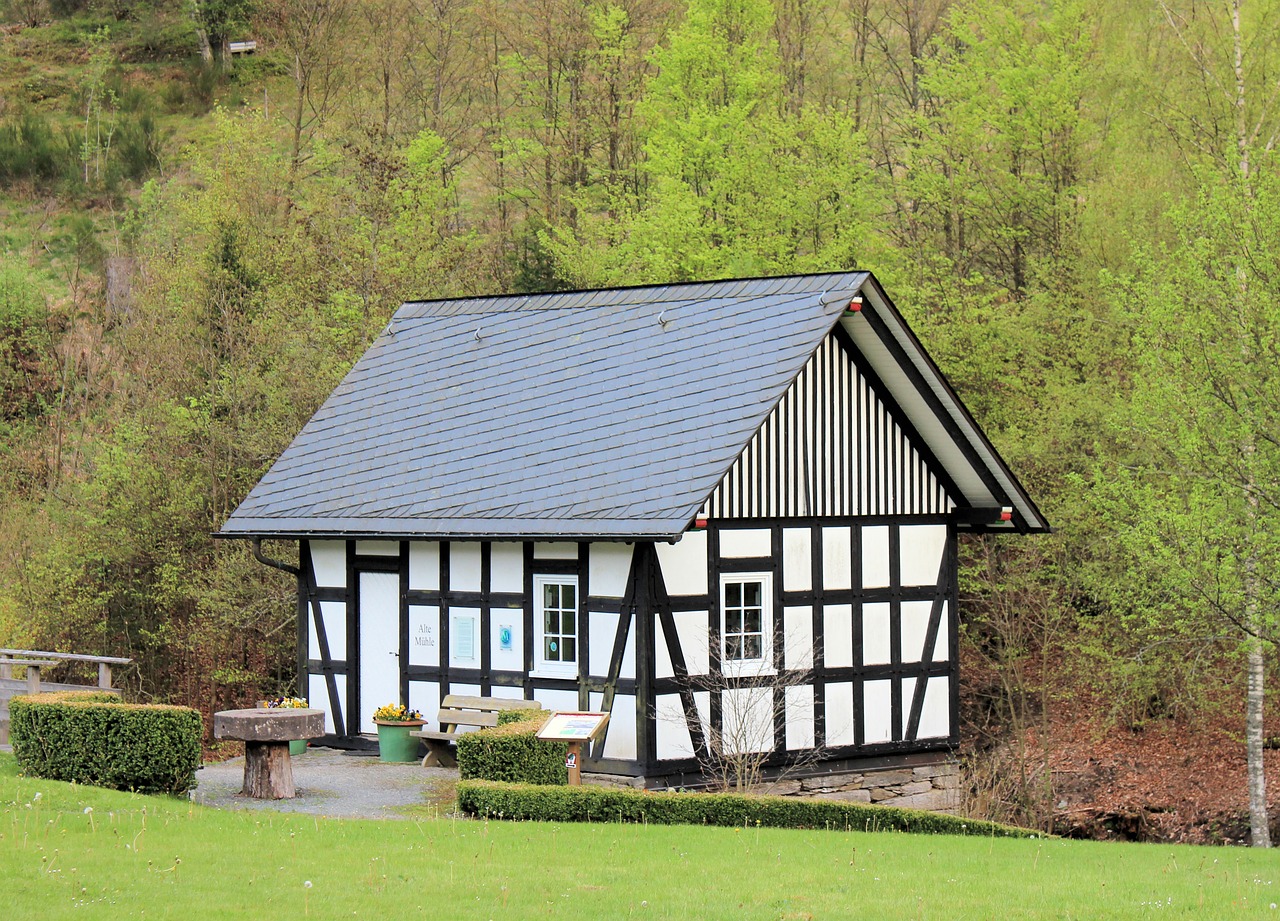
[{"x": 504, "y": 638}]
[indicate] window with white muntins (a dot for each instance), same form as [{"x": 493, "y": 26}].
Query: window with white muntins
[
  {"x": 555, "y": 613},
  {"x": 746, "y": 624}
]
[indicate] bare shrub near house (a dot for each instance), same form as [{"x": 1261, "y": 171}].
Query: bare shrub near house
[{"x": 747, "y": 691}]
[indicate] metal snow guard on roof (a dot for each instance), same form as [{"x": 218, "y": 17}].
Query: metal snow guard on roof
[{"x": 590, "y": 414}]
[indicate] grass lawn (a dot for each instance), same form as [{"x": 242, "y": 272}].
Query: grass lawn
[{"x": 81, "y": 852}]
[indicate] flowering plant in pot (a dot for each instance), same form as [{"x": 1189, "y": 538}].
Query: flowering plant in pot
[{"x": 395, "y": 722}]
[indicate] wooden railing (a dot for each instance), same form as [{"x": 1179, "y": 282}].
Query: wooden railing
[{"x": 33, "y": 661}]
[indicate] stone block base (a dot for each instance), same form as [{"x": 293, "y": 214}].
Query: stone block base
[{"x": 934, "y": 787}]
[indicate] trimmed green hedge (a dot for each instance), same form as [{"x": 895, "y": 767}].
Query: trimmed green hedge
[
  {"x": 511, "y": 752},
  {"x": 605, "y": 804},
  {"x": 94, "y": 738}
]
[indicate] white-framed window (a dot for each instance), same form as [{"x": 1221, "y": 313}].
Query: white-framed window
[
  {"x": 746, "y": 623},
  {"x": 555, "y": 615}
]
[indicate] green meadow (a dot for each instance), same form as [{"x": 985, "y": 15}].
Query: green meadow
[{"x": 79, "y": 852}]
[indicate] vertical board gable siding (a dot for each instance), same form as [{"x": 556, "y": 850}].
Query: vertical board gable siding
[{"x": 832, "y": 447}]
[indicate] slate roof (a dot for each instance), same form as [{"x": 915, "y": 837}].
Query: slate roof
[{"x": 609, "y": 414}]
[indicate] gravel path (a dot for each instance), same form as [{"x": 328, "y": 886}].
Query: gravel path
[{"x": 335, "y": 783}]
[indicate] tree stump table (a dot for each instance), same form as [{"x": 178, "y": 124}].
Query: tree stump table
[{"x": 266, "y": 733}]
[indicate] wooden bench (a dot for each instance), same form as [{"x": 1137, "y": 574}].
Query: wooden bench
[
  {"x": 33, "y": 661},
  {"x": 459, "y": 710}
]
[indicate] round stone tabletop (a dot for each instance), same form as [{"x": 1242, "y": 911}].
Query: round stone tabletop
[{"x": 268, "y": 724}]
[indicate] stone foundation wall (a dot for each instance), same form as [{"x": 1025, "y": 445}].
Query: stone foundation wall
[{"x": 935, "y": 787}]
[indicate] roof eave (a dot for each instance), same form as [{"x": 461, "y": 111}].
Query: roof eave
[
  {"x": 1027, "y": 517},
  {"x": 393, "y": 529}
]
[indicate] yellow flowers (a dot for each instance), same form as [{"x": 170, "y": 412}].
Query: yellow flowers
[
  {"x": 287, "y": 703},
  {"x": 396, "y": 713}
]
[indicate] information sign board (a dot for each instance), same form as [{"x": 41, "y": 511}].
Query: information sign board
[{"x": 574, "y": 727}]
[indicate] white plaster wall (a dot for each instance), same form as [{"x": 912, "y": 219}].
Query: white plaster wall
[
  {"x": 922, "y": 547},
  {"x": 334, "y": 614},
  {"x": 620, "y": 734},
  {"x": 797, "y": 631},
  {"x": 378, "y": 547},
  {"x": 662, "y": 657},
  {"x": 608, "y": 566},
  {"x": 506, "y": 692},
  {"x": 875, "y": 557},
  {"x": 329, "y": 559},
  {"x": 837, "y": 635},
  {"x": 684, "y": 564},
  {"x": 464, "y": 566},
  {"x": 506, "y": 660},
  {"x": 555, "y": 699},
  {"x": 942, "y": 645},
  {"x": 877, "y": 711},
  {"x": 908, "y": 695},
  {"x": 424, "y": 565},
  {"x": 799, "y": 702},
  {"x": 837, "y": 555},
  {"x": 838, "y": 701},
  {"x": 797, "y": 560},
  {"x": 424, "y": 696},
  {"x": 604, "y": 627},
  {"x": 671, "y": 730},
  {"x": 695, "y": 643},
  {"x": 424, "y": 634},
  {"x": 746, "y": 720},
  {"x": 561, "y": 550},
  {"x": 736, "y": 543},
  {"x": 875, "y": 634},
  {"x": 506, "y": 571},
  {"x": 915, "y": 624},
  {"x": 318, "y": 696},
  {"x": 935, "y": 716}
]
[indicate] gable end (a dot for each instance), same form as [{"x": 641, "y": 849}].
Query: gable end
[{"x": 836, "y": 445}]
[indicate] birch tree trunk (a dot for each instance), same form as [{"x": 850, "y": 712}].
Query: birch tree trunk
[{"x": 1259, "y": 833}]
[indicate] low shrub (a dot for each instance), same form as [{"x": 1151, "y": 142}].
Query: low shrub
[
  {"x": 92, "y": 737},
  {"x": 31, "y": 149},
  {"x": 512, "y": 752},
  {"x": 604, "y": 804}
]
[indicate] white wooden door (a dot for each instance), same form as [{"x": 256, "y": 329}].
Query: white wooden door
[{"x": 379, "y": 644}]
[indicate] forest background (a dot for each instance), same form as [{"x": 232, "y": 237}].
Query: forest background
[{"x": 1076, "y": 203}]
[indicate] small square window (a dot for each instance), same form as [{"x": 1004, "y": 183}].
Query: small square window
[
  {"x": 746, "y": 624},
  {"x": 557, "y": 615}
]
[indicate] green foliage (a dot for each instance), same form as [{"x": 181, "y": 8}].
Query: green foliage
[
  {"x": 511, "y": 752},
  {"x": 713, "y": 127},
  {"x": 511, "y": 716},
  {"x": 222, "y": 19},
  {"x": 28, "y": 378},
  {"x": 26, "y": 382},
  {"x": 160, "y": 35},
  {"x": 95, "y": 738},
  {"x": 1188, "y": 504},
  {"x": 518, "y": 802},
  {"x": 30, "y": 148}
]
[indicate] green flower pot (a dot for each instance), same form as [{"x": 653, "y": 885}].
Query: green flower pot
[
  {"x": 394, "y": 742},
  {"x": 298, "y": 747}
]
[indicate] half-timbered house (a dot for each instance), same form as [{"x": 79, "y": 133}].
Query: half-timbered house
[{"x": 651, "y": 501}]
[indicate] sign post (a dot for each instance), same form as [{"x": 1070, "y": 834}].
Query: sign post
[{"x": 574, "y": 728}]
